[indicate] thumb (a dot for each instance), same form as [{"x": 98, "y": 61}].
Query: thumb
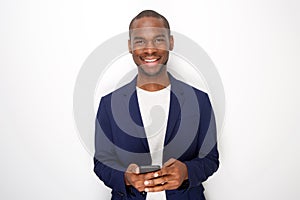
[
  {"x": 169, "y": 162},
  {"x": 133, "y": 168}
]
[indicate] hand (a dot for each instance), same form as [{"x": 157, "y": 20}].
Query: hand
[
  {"x": 170, "y": 177},
  {"x": 132, "y": 177}
]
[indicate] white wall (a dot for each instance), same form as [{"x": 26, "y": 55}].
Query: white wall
[{"x": 254, "y": 44}]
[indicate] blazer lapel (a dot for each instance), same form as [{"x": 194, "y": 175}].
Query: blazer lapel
[
  {"x": 176, "y": 101},
  {"x": 137, "y": 118},
  {"x": 130, "y": 99}
]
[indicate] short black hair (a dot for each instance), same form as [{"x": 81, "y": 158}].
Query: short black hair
[{"x": 150, "y": 13}]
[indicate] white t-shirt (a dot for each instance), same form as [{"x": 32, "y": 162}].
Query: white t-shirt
[{"x": 154, "y": 108}]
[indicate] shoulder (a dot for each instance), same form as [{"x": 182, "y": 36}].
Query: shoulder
[
  {"x": 182, "y": 86},
  {"x": 122, "y": 91}
]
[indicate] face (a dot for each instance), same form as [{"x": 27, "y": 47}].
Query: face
[{"x": 149, "y": 45}]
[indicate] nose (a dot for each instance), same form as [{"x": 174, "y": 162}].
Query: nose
[{"x": 150, "y": 48}]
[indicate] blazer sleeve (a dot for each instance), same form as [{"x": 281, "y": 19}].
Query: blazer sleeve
[
  {"x": 106, "y": 164},
  {"x": 207, "y": 162}
]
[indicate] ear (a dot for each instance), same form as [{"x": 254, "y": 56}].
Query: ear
[
  {"x": 129, "y": 46},
  {"x": 171, "y": 40}
]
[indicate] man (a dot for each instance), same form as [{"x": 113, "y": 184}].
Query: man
[{"x": 155, "y": 120}]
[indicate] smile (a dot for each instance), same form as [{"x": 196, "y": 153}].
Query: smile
[{"x": 149, "y": 60}]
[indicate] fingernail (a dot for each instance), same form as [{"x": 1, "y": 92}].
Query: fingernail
[
  {"x": 156, "y": 175},
  {"x": 146, "y": 182},
  {"x": 146, "y": 190}
]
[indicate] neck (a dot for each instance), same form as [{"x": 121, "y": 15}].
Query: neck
[{"x": 154, "y": 83}]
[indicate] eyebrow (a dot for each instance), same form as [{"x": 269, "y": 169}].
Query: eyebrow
[
  {"x": 138, "y": 38},
  {"x": 161, "y": 35},
  {"x": 141, "y": 38}
]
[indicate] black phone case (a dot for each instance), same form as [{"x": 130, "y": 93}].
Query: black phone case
[{"x": 149, "y": 168}]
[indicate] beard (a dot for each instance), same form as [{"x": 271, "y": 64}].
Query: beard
[{"x": 152, "y": 73}]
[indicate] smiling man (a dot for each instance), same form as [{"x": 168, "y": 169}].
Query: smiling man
[
  {"x": 150, "y": 43},
  {"x": 155, "y": 120}
]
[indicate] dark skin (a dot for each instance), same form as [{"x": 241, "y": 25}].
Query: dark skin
[
  {"x": 150, "y": 41},
  {"x": 170, "y": 177},
  {"x": 149, "y": 45}
]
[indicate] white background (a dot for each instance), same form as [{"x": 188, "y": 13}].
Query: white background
[{"x": 254, "y": 44}]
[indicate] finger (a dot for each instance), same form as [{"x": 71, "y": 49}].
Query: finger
[
  {"x": 157, "y": 188},
  {"x": 165, "y": 171},
  {"x": 133, "y": 168},
  {"x": 170, "y": 185},
  {"x": 137, "y": 170},
  {"x": 138, "y": 184},
  {"x": 169, "y": 162},
  {"x": 156, "y": 181},
  {"x": 152, "y": 175}
]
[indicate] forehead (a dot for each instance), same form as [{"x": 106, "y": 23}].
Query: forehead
[
  {"x": 148, "y": 32},
  {"x": 148, "y": 27},
  {"x": 148, "y": 22}
]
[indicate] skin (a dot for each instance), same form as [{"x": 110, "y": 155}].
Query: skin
[
  {"x": 151, "y": 76},
  {"x": 144, "y": 45}
]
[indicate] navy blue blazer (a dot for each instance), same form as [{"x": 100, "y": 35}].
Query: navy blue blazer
[{"x": 190, "y": 137}]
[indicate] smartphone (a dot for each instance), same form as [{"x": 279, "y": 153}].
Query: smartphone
[{"x": 148, "y": 168}]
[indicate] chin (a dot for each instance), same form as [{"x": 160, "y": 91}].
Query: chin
[{"x": 152, "y": 73}]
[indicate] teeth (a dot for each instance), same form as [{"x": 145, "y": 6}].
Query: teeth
[{"x": 151, "y": 60}]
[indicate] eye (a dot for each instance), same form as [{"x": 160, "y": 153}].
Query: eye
[
  {"x": 159, "y": 40},
  {"x": 139, "y": 42}
]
